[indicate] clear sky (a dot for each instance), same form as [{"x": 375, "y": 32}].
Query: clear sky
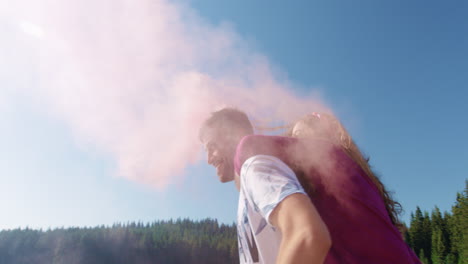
[{"x": 395, "y": 73}]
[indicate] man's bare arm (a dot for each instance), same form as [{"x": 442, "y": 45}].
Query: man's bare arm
[{"x": 305, "y": 237}]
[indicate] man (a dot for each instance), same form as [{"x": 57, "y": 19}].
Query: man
[{"x": 277, "y": 222}]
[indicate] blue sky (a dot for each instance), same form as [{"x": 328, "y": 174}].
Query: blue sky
[{"x": 395, "y": 72}]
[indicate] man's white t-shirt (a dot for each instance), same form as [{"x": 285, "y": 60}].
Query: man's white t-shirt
[{"x": 264, "y": 182}]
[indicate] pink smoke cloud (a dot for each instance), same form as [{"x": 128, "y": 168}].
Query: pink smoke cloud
[{"x": 135, "y": 79}]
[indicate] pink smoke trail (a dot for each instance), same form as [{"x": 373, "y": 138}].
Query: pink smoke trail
[{"x": 136, "y": 78}]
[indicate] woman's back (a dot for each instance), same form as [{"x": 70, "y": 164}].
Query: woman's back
[{"x": 355, "y": 214}]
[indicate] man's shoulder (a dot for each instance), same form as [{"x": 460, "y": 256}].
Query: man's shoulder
[
  {"x": 261, "y": 144},
  {"x": 261, "y": 140},
  {"x": 253, "y": 145}
]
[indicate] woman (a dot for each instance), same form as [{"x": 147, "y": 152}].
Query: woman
[
  {"x": 327, "y": 127},
  {"x": 360, "y": 214}
]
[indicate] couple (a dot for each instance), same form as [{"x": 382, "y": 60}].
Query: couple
[{"x": 309, "y": 197}]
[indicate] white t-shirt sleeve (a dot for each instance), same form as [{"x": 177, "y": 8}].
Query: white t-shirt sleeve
[{"x": 266, "y": 181}]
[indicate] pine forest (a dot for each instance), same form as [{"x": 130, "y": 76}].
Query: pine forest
[{"x": 436, "y": 237}]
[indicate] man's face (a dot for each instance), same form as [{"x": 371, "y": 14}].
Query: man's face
[{"x": 220, "y": 151}]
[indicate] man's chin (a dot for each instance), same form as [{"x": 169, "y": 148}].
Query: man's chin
[{"x": 225, "y": 178}]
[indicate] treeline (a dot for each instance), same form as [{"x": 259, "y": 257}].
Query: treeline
[
  {"x": 435, "y": 237},
  {"x": 180, "y": 241},
  {"x": 441, "y": 238}
]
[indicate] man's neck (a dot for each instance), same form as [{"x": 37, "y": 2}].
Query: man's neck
[{"x": 237, "y": 181}]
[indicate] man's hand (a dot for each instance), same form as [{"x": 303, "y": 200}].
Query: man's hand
[{"x": 305, "y": 237}]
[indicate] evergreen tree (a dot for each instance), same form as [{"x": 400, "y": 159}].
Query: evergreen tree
[
  {"x": 438, "y": 247},
  {"x": 440, "y": 237},
  {"x": 427, "y": 236},
  {"x": 422, "y": 257},
  {"x": 416, "y": 231},
  {"x": 459, "y": 227}
]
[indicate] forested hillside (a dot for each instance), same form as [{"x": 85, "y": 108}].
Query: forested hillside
[
  {"x": 181, "y": 241},
  {"x": 437, "y": 238},
  {"x": 441, "y": 238}
]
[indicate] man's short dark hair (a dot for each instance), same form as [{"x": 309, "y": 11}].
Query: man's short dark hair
[{"x": 227, "y": 120}]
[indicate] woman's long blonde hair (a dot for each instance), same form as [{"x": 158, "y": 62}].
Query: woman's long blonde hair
[{"x": 328, "y": 127}]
